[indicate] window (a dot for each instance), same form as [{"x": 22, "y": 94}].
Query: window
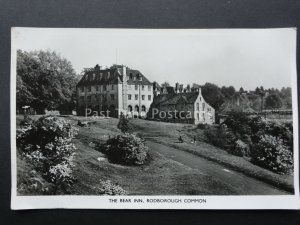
[
  {"x": 82, "y": 89},
  {"x": 104, "y": 87},
  {"x": 89, "y": 88},
  {"x": 112, "y": 87},
  {"x": 143, "y": 97},
  {"x": 112, "y": 97},
  {"x": 198, "y": 106},
  {"x": 149, "y": 87},
  {"x": 203, "y": 116},
  {"x": 143, "y": 87},
  {"x": 89, "y": 98},
  {"x": 104, "y": 99},
  {"x": 136, "y": 97},
  {"x": 203, "y": 106},
  {"x": 130, "y": 76},
  {"x": 143, "y": 108},
  {"x": 97, "y": 88},
  {"x": 136, "y": 87},
  {"x": 129, "y": 97},
  {"x": 149, "y": 97},
  {"x": 198, "y": 116},
  {"x": 81, "y": 98}
]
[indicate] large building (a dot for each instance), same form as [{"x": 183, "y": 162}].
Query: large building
[
  {"x": 115, "y": 90},
  {"x": 185, "y": 105}
]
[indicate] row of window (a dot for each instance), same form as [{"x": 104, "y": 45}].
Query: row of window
[
  {"x": 89, "y": 98},
  {"x": 136, "y": 97},
  {"x": 112, "y": 87},
  {"x": 211, "y": 118},
  {"x": 203, "y": 107}
]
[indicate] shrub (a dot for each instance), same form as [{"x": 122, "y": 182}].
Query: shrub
[
  {"x": 46, "y": 144},
  {"x": 126, "y": 149},
  {"x": 124, "y": 125},
  {"x": 202, "y": 126},
  {"x": 108, "y": 188},
  {"x": 240, "y": 148},
  {"x": 271, "y": 153},
  {"x": 221, "y": 137},
  {"x": 26, "y": 121}
]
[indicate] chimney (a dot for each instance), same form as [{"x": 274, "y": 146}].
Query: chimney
[
  {"x": 124, "y": 71},
  {"x": 180, "y": 88},
  {"x": 97, "y": 67},
  {"x": 188, "y": 88},
  {"x": 176, "y": 87}
]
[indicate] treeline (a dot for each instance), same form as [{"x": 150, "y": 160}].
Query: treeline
[
  {"x": 257, "y": 99},
  {"x": 45, "y": 80}
]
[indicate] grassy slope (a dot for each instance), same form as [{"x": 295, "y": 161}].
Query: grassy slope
[{"x": 174, "y": 178}]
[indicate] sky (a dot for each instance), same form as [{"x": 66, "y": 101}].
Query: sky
[{"x": 238, "y": 57}]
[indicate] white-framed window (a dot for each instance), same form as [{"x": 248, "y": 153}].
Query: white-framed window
[{"x": 136, "y": 97}]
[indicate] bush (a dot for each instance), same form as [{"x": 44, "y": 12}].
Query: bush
[
  {"x": 26, "y": 121},
  {"x": 240, "y": 148},
  {"x": 221, "y": 137},
  {"x": 126, "y": 149},
  {"x": 46, "y": 144},
  {"x": 124, "y": 125},
  {"x": 271, "y": 153},
  {"x": 202, "y": 126},
  {"x": 108, "y": 188}
]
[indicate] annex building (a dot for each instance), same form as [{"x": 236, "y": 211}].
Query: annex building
[
  {"x": 179, "y": 104},
  {"x": 118, "y": 89}
]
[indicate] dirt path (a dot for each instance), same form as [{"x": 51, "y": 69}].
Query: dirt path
[{"x": 235, "y": 182}]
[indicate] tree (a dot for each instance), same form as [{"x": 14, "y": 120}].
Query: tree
[
  {"x": 212, "y": 95},
  {"x": 45, "y": 80},
  {"x": 273, "y": 101},
  {"x": 241, "y": 90},
  {"x": 228, "y": 92}
]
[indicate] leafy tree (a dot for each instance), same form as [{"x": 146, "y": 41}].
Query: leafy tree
[
  {"x": 273, "y": 101},
  {"x": 213, "y": 95},
  {"x": 44, "y": 80},
  {"x": 228, "y": 92}
]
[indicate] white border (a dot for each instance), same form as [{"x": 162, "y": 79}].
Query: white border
[{"x": 106, "y": 202}]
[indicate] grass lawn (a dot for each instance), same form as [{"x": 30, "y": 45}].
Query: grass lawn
[{"x": 162, "y": 175}]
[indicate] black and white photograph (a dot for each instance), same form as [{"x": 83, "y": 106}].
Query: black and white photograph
[{"x": 154, "y": 118}]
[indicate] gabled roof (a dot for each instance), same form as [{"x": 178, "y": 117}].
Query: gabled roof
[
  {"x": 93, "y": 77},
  {"x": 133, "y": 74},
  {"x": 112, "y": 76},
  {"x": 173, "y": 99}
]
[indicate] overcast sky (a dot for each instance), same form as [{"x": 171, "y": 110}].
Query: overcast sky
[{"x": 247, "y": 58}]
